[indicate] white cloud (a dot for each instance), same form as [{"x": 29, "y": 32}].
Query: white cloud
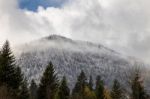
[{"x": 119, "y": 24}]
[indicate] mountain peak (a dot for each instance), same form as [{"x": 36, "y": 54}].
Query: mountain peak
[
  {"x": 57, "y": 37},
  {"x": 69, "y": 58}
]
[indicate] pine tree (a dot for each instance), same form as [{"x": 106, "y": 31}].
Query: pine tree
[
  {"x": 10, "y": 74},
  {"x": 137, "y": 88},
  {"x": 24, "y": 91},
  {"x": 99, "y": 88},
  {"x": 33, "y": 90},
  {"x": 90, "y": 83},
  {"x": 98, "y": 81},
  {"x": 64, "y": 91},
  {"x": 7, "y": 67},
  {"x": 78, "y": 91},
  {"x": 49, "y": 83},
  {"x": 81, "y": 82},
  {"x": 18, "y": 77},
  {"x": 116, "y": 92},
  {"x": 19, "y": 81}
]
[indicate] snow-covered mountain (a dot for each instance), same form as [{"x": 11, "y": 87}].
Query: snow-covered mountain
[{"x": 70, "y": 57}]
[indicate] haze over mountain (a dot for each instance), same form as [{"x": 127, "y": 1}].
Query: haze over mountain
[
  {"x": 105, "y": 39},
  {"x": 122, "y": 25},
  {"x": 70, "y": 57}
]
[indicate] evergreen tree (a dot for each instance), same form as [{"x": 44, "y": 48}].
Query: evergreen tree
[
  {"x": 49, "y": 84},
  {"x": 98, "y": 81},
  {"x": 81, "y": 82},
  {"x": 7, "y": 67},
  {"x": 10, "y": 74},
  {"x": 137, "y": 87},
  {"x": 78, "y": 91},
  {"x": 24, "y": 92},
  {"x": 18, "y": 77},
  {"x": 116, "y": 92},
  {"x": 90, "y": 83},
  {"x": 64, "y": 91},
  {"x": 33, "y": 90},
  {"x": 19, "y": 81},
  {"x": 99, "y": 88}
]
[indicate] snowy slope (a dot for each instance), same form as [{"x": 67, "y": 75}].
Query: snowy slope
[{"x": 70, "y": 57}]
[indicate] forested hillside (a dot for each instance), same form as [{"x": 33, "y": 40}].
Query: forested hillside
[
  {"x": 70, "y": 57},
  {"x": 86, "y": 84}
]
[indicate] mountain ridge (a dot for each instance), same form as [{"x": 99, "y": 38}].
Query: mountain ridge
[{"x": 70, "y": 57}]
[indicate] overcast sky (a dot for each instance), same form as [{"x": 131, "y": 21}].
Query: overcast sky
[{"x": 123, "y": 25}]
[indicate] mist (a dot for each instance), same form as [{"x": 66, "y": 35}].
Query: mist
[{"x": 120, "y": 25}]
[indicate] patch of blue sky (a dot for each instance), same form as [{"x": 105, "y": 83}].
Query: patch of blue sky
[{"x": 33, "y": 5}]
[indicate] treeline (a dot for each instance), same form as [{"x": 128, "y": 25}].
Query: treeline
[{"x": 14, "y": 85}]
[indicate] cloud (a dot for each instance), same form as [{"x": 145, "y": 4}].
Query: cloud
[{"x": 122, "y": 25}]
